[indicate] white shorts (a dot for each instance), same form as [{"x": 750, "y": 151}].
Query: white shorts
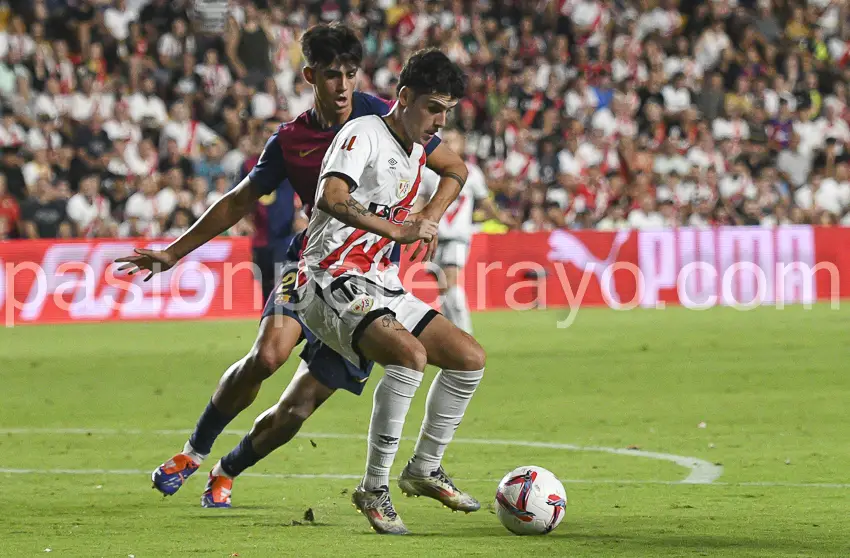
[
  {"x": 339, "y": 314},
  {"x": 451, "y": 252}
]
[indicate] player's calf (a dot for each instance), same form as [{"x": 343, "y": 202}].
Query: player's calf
[
  {"x": 241, "y": 383},
  {"x": 237, "y": 389},
  {"x": 462, "y": 361},
  {"x": 272, "y": 429}
]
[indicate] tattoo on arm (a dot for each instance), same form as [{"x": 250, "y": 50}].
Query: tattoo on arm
[
  {"x": 456, "y": 177},
  {"x": 350, "y": 208},
  {"x": 390, "y": 322}
]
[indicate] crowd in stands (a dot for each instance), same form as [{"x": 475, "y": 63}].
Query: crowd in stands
[{"x": 130, "y": 117}]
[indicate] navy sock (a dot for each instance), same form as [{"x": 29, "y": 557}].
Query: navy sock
[
  {"x": 240, "y": 458},
  {"x": 210, "y": 425}
]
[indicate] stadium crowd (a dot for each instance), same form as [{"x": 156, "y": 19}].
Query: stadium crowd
[{"x": 130, "y": 117}]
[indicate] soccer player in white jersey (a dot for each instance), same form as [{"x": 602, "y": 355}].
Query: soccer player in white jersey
[
  {"x": 455, "y": 231},
  {"x": 351, "y": 298}
]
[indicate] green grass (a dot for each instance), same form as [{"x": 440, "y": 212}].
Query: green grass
[{"x": 772, "y": 387}]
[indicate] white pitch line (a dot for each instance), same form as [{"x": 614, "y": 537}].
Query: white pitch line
[
  {"x": 701, "y": 471},
  {"x": 334, "y": 476}
]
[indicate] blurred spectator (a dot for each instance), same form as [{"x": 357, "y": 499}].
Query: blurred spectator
[
  {"x": 44, "y": 214},
  {"x": 10, "y": 212},
  {"x": 88, "y": 210},
  {"x": 582, "y": 113}
]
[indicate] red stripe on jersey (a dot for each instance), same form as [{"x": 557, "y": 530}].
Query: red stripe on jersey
[
  {"x": 357, "y": 258},
  {"x": 334, "y": 256}
]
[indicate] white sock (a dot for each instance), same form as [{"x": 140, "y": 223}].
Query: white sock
[
  {"x": 389, "y": 409},
  {"x": 217, "y": 471},
  {"x": 448, "y": 398},
  {"x": 456, "y": 310},
  {"x": 189, "y": 451}
]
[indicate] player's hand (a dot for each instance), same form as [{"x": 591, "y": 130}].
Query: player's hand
[
  {"x": 429, "y": 248},
  {"x": 154, "y": 261},
  {"x": 416, "y": 229}
]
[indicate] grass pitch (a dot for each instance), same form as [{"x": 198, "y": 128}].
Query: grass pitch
[{"x": 87, "y": 411}]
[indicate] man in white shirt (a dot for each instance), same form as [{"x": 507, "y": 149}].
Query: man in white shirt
[
  {"x": 677, "y": 97},
  {"x": 91, "y": 99},
  {"x": 646, "y": 217},
  {"x": 671, "y": 160},
  {"x": 705, "y": 155},
  {"x": 189, "y": 134},
  {"x": 141, "y": 211},
  {"x": 734, "y": 128},
  {"x": 831, "y": 126},
  {"x": 122, "y": 126},
  {"x": 146, "y": 107},
  {"x": 118, "y": 18},
  {"x": 88, "y": 209},
  {"x": 793, "y": 163},
  {"x": 367, "y": 314}
]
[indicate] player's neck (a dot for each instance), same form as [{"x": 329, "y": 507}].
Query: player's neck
[
  {"x": 393, "y": 121},
  {"x": 328, "y": 118}
]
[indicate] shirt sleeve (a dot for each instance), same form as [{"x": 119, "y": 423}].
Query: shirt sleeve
[
  {"x": 432, "y": 145},
  {"x": 350, "y": 153},
  {"x": 429, "y": 183},
  {"x": 270, "y": 170}
]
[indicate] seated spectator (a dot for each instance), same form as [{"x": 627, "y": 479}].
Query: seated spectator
[
  {"x": 88, "y": 210},
  {"x": 44, "y": 214}
]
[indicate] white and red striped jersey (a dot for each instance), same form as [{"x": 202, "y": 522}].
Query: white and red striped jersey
[
  {"x": 384, "y": 178},
  {"x": 456, "y": 223}
]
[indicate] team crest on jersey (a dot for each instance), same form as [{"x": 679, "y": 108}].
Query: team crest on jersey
[
  {"x": 404, "y": 187},
  {"x": 362, "y": 305},
  {"x": 283, "y": 298}
]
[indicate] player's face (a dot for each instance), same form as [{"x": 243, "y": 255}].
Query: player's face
[
  {"x": 333, "y": 86},
  {"x": 424, "y": 115}
]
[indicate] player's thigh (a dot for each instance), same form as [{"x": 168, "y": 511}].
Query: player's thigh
[
  {"x": 386, "y": 341},
  {"x": 304, "y": 393},
  {"x": 450, "y": 347}
]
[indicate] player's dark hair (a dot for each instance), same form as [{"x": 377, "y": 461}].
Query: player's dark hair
[
  {"x": 324, "y": 45},
  {"x": 430, "y": 71}
]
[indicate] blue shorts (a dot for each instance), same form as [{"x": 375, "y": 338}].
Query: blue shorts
[{"x": 327, "y": 366}]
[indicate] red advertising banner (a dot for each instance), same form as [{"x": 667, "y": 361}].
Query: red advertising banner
[
  {"x": 68, "y": 281},
  {"x": 697, "y": 268},
  {"x": 52, "y": 282}
]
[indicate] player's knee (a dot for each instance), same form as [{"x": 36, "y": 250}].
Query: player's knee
[
  {"x": 412, "y": 354},
  {"x": 472, "y": 357},
  {"x": 293, "y": 413},
  {"x": 267, "y": 358}
]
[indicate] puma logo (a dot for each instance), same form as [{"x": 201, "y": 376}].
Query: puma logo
[
  {"x": 305, "y": 153},
  {"x": 568, "y": 248}
]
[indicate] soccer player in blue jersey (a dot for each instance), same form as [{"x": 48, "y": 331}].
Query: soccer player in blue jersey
[{"x": 295, "y": 152}]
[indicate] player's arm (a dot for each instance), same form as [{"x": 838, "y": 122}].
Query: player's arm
[
  {"x": 335, "y": 199},
  {"x": 221, "y": 216},
  {"x": 453, "y": 174}
]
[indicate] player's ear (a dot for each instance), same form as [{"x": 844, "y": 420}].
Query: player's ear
[
  {"x": 405, "y": 96},
  {"x": 309, "y": 75}
]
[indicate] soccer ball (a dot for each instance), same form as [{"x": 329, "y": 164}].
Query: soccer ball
[{"x": 530, "y": 501}]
